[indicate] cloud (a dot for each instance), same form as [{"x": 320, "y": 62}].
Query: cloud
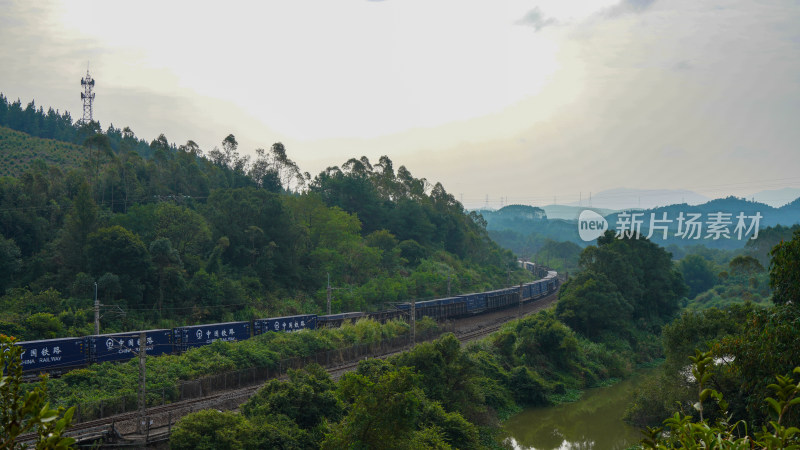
[
  {"x": 534, "y": 18},
  {"x": 627, "y": 7}
]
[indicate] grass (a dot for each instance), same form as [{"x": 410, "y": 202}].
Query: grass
[{"x": 569, "y": 396}]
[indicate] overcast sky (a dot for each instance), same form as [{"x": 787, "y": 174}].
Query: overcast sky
[{"x": 526, "y": 100}]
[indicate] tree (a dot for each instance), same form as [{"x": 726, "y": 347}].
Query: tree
[
  {"x": 24, "y": 411},
  {"x": 643, "y": 273},
  {"x": 308, "y": 398},
  {"x": 192, "y": 148},
  {"x": 109, "y": 286},
  {"x": 541, "y": 337},
  {"x": 80, "y": 222},
  {"x": 9, "y": 262},
  {"x": 784, "y": 271},
  {"x": 768, "y": 238},
  {"x": 98, "y": 148},
  {"x": 264, "y": 173},
  {"x": 447, "y": 375},
  {"x": 210, "y": 429},
  {"x": 383, "y": 412},
  {"x": 229, "y": 146},
  {"x": 590, "y": 304},
  {"x": 698, "y": 273},
  {"x": 287, "y": 170},
  {"x": 229, "y": 156},
  {"x": 231, "y": 213},
  {"x": 766, "y": 345},
  {"x": 166, "y": 260},
  {"x": 43, "y": 325},
  {"x": 119, "y": 251},
  {"x": 745, "y": 266},
  {"x": 685, "y": 432},
  {"x": 187, "y": 231},
  {"x": 389, "y": 247}
]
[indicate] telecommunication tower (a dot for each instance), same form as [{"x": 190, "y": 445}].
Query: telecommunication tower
[{"x": 88, "y": 96}]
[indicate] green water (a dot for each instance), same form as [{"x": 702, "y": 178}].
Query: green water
[{"x": 593, "y": 422}]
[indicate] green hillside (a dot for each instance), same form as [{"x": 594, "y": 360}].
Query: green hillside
[
  {"x": 171, "y": 235},
  {"x": 18, "y": 150}
]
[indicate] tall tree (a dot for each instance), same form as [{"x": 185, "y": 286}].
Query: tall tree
[
  {"x": 117, "y": 250},
  {"x": 99, "y": 148},
  {"x": 167, "y": 262},
  {"x": 698, "y": 273},
  {"x": 784, "y": 271},
  {"x": 9, "y": 262},
  {"x": 80, "y": 222}
]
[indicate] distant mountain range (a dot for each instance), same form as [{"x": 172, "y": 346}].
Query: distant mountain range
[
  {"x": 560, "y": 222},
  {"x": 572, "y": 212},
  {"x": 777, "y": 198},
  {"x": 724, "y": 212},
  {"x": 624, "y": 198}
]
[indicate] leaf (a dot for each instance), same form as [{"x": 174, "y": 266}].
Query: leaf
[
  {"x": 68, "y": 415},
  {"x": 774, "y": 404},
  {"x": 49, "y": 418}
]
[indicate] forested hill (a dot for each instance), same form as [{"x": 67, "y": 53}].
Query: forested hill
[
  {"x": 786, "y": 215},
  {"x": 187, "y": 236},
  {"x": 59, "y": 126},
  {"x": 19, "y": 150}
]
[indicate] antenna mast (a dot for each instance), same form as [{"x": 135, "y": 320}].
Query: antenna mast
[{"x": 87, "y": 95}]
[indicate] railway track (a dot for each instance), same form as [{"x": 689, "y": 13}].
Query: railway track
[
  {"x": 124, "y": 428},
  {"x": 497, "y": 322}
]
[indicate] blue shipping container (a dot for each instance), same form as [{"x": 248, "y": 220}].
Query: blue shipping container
[
  {"x": 289, "y": 323},
  {"x": 53, "y": 355},
  {"x": 475, "y": 302},
  {"x": 199, "y": 335},
  {"x": 119, "y": 346}
]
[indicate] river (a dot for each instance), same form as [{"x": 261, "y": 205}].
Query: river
[{"x": 593, "y": 422}]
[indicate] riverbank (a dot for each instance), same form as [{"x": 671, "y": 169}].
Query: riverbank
[{"x": 594, "y": 421}]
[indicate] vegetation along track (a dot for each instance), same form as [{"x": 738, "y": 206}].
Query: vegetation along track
[{"x": 159, "y": 419}]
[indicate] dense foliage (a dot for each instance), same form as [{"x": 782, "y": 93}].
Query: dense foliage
[
  {"x": 684, "y": 431},
  {"x": 19, "y": 152},
  {"x": 747, "y": 345},
  {"x": 784, "y": 275},
  {"x": 168, "y": 234},
  {"x": 562, "y": 254},
  {"x": 715, "y": 285},
  {"x": 625, "y": 285},
  {"x": 442, "y": 395},
  {"x": 114, "y": 381},
  {"x": 436, "y": 395}
]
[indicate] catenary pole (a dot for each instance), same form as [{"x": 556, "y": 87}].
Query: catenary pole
[
  {"x": 329, "y": 294},
  {"x": 96, "y": 312},
  {"x": 142, "y": 380}
]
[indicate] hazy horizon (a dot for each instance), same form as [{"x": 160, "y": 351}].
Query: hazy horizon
[{"x": 528, "y": 101}]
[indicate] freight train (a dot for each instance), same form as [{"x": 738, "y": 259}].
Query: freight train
[{"x": 57, "y": 356}]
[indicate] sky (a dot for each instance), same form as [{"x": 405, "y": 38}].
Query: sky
[{"x": 526, "y": 102}]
